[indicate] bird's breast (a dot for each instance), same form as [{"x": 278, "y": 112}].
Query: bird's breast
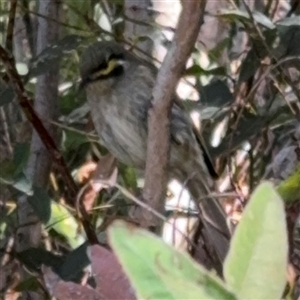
[{"x": 119, "y": 129}]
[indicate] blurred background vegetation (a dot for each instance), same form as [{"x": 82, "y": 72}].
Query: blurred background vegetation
[{"x": 242, "y": 81}]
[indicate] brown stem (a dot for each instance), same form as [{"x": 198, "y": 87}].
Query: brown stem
[
  {"x": 55, "y": 154},
  {"x": 169, "y": 74}
]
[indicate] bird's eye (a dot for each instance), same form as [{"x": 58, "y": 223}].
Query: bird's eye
[{"x": 115, "y": 56}]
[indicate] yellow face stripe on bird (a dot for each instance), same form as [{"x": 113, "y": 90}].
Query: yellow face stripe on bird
[{"x": 111, "y": 66}]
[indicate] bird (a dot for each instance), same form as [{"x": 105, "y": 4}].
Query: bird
[{"x": 118, "y": 88}]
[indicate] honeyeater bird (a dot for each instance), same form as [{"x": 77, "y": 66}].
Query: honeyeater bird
[{"x": 119, "y": 90}]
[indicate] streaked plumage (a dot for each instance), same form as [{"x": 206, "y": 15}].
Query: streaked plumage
[{"x": 119, "y": 106}]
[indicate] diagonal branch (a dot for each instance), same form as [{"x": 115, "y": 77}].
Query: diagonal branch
[
  {"x": 170, "y": 72},
  {"x": 55, "y": 154}
]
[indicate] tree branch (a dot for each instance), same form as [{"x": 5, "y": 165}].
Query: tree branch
[
  {"x": 47, "y": 140},
  {"x": 158, "y": 143},
  {"x": 11, "y": 25}
]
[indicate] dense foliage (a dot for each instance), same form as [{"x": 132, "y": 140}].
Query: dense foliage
[{"x": 242, "y": 79}]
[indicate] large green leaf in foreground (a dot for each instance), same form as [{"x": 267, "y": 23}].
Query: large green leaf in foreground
[
  {"x": 157, "y": 271},
  {"x": 256, "y": 265}
]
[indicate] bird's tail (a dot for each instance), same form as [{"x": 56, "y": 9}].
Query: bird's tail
[{"x": 212, "y": 215}]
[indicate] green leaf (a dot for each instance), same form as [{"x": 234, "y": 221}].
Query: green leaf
[
  {"x": 289, "y": 189},
  {"x": 215, "y": 53},
  {"x": 18, "y": 180},
  {"x": 255, "y": 267},
  {"x": 64, "y": 223},
  {"x": 77, "y": 114},
  {"x": 157, "y": 271},
  {"x": 129, "y": 177},
  {"x": 243, "y": 16},
  {"x": 70, "y": 101},
  {"x": 22, "y": 184},
  {"x": 50, "y": 56},
  {"x": 83, "y": 7},
  {"x": 73, "y": 140},
  {"x": 196, "y": 70},
  {"x": 249, "y": 125},
  {"x": 289, "y": 21}
]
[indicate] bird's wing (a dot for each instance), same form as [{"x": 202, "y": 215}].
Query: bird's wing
[
  {"x": 207, "y": 158},
  {"x": 181, "y": 124},
  {"x": 180, "y": 117}
]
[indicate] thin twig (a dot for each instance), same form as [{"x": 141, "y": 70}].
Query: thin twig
[
  {"x": 281, "y": 92},
  {"x": 267, "y": 72},
  {"x": 144, "y": 205},
  {"x": 55, "y": 21},
  {"x": 254, "y": 88},
  {"x": 55, "y": 154},
  {"x": 274, "y": 10},
  {"x": 270, "y": 52},
  {"x": 90, "y": 136},
  {"x": 6, "y": 130},
  {"x": 10, "y": 26},
  {"x": 29, "y": 28}
]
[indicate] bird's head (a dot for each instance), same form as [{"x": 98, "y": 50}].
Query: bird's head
[{"x": 102, "y": 62}]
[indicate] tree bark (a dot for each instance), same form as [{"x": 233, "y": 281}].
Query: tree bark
[
  {"x": 139, "y": 26},
  {"x": 158, "y": 143},
  {"x": 46, "y": 94}
]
